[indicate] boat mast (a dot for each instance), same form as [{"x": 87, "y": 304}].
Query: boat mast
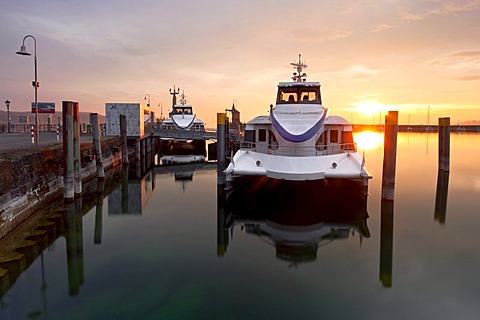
[
  {"x": 174, "y": 94},
  {"x": 183, "y": 99},
  {"x": 300, "y": 65}
]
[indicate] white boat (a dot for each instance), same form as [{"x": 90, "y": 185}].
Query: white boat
[
  {"x": 182, "y": 118},
  {"x": 297, "y": 141}
]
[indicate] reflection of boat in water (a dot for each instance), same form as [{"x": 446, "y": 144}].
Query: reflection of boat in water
[
  {"x": 182, "y": 119},
  {"x": 299, "y": 217},
  {"x": 297, "y": 141}
]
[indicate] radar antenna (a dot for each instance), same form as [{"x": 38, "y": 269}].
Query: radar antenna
[
  {"x": 299, "y": 76},
  {"x": 183, "y": 99},
  {"x": 174, "y": 94}
]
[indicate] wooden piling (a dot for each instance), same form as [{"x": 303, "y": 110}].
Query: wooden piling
[
  {"x": 97, "y": 145},
  {"x": 68, "y": 155},
  {"x": 143, "y": 148},
  {"x": 390, "y": 155},
  {"x": 444, "y": 144},
  {"x": 137, "y": 151},
  {"x": 221, "y": 141},
  {"x": 77, "y": 166},
  {"x": 123, "y": 133}
]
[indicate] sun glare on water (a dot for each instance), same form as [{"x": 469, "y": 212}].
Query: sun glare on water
[{"x": 368, "y": 140}]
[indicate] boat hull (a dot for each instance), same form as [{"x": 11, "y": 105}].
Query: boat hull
[{"x": 346, "y": 165}]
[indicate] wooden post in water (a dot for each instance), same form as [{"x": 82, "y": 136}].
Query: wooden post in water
[
  {"x": 77, "y": 166},
  {"x": 143, "y": 148},
  {"x": 97, "y": 145},
  {"x": 390, "y": 155},
  {"x": 444, "y": 144},
  {"x": 123, "y": 133},
  {"x": 221, "y": 140},
  {"x": 138, "y": 147},
  {"x": 68, "y": 155}
]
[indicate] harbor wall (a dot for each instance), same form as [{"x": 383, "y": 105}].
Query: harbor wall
[{"x": 31, "y": 177}]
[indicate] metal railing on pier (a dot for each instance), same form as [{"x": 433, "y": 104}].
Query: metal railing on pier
[{"x": 193, "y": 134}]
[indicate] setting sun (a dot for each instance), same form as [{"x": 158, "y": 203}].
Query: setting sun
[{"x": 368, "y": 140}]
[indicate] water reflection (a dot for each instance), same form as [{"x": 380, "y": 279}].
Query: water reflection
[
  {"x": 441, "y": 196},
  {"x": 133, "y": 195},
  {"x": 386, "y": 242},
  {"x": 296, "y": 218},
  {"x": 66, "y": 220},
  {"x": 183, "y": 173}
]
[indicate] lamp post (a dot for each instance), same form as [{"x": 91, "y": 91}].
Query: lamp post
[
  {"x": 23, "y": 51},
  {"x": 7, "y": 103},
  {"x": 160, "y": 104},
  {"x": 148, "y": 101}
]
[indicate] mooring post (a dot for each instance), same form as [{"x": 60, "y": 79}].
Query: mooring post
[
  {"x": 221, "y": 140},
  {"x": 123, "y": 134},
  {"x": 389, "y": 155},
  {"x": 97, "y": 145},
  {"x": 77, "y": 165},
  {"x": 137, "y": 151},
  {"x": 68, "y": 155},
  {"x": 143, "y": 149},
  {"x": 444, "y": 144}
]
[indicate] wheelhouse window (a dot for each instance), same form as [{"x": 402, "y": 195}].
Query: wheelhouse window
[
  {"x": 179, "y": 110},
  {"x": 299, "y": 94}
]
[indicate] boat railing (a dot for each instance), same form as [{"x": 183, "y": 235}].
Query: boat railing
[{"x": 304, "y": 151}]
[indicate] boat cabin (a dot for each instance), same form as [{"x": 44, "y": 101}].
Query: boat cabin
[
  {"x": 299, "y": 93},
  {"x": 337, "y": 136},
  {"x": 258, "y": 134}
]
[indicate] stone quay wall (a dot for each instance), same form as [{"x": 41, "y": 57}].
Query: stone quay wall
[{"x": 30, "y": 178}]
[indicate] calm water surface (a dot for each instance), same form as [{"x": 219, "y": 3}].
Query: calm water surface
[{"x": 166, "y": 254}]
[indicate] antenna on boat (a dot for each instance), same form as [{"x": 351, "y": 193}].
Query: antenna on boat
[
  {"x": 183, "y": 101},
  {"x": 174, "y": 94},
  {"x": 299, "y": 76}
]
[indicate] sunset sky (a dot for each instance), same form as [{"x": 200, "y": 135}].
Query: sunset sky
[{"x": 369, "y": 56}]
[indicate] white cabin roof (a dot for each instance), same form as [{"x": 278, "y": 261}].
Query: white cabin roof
[
  {"x": 260, "y": 120},
  {"x": 337, "y": 120},
  {"x": 299, "y": 84}
]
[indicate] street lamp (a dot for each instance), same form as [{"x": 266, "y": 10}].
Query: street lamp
[
  {"x": 148, "y": 103},
  {"x": 7, "y": 103},
  {"x": 160, "y": 104},
  {"x": 23, "y": 51}
]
